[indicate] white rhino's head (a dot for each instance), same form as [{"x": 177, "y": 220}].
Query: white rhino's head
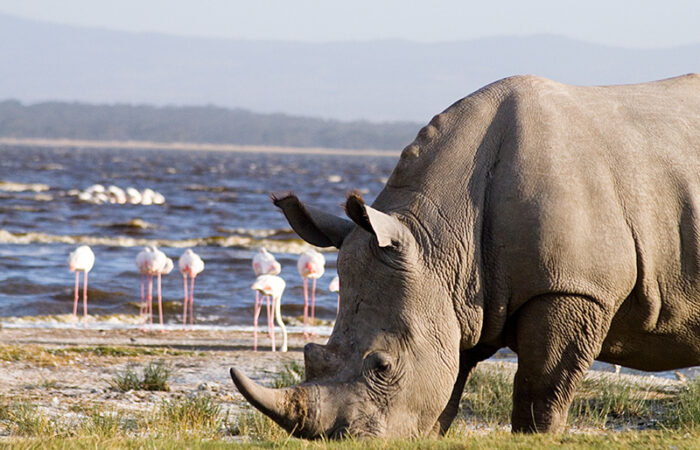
[{"x": 391, "y": 363}]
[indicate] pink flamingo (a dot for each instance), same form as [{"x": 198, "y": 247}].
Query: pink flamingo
[
  {"x": 264, "y": 263},
  {"x": 334, "y": 286},
  {"x": 191, "y": 265},
  {"x": 273, "y": 286},
  {"x": 166, "y": 269},
  {"x": 310, "y": 265},
  {"x": 81, "y": 260},
  {"x": 150, "y": 261}
]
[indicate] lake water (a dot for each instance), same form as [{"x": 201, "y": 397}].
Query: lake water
[{"x": 215, "y": 202}]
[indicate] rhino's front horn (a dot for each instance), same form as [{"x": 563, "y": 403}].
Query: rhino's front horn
[{"x": 291, "y": 408}]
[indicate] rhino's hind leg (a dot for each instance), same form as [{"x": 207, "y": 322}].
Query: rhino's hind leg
[{"x": 558, "y": 337}]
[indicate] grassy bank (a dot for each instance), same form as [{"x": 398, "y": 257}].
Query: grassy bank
[{"x": 609, "y": 411}]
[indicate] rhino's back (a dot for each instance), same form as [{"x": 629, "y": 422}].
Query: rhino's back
[{"x": 596, "y": 191}]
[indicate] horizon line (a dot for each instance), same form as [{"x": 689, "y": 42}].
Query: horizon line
[{"x": 190, "y": 146}]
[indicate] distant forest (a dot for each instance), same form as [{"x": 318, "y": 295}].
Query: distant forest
[{"x": 207, "y": 124}]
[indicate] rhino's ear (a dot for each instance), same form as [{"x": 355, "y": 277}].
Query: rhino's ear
[
  {"x": 388, "y": 229},
  {"x": 313, "y": 225}
]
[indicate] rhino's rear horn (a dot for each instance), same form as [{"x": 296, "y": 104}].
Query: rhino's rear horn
[{"x": 313, "y": 225}]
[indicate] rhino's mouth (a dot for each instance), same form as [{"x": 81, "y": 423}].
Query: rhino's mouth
[{"x": 338, "y": 431}]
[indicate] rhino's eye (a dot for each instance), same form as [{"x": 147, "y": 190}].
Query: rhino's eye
[{"x": 378, "y": 362}]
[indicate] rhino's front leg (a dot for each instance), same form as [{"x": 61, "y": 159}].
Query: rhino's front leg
[
  {"x": 468, "y": 359},
  {"x": 558, "y": 337}
]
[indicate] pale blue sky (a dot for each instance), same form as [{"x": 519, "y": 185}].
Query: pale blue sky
[{"x": 639, "y": 23}]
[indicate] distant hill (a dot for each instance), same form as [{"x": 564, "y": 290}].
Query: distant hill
[
  {"x": 207, "y": 124},
  {"x": 377, "y": 80}
]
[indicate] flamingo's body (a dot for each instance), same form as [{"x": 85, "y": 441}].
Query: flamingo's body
[
  {"x": 334, "y": 286},
  {"x": 150, "y": 262},
  {"x": 273, "y": 286},
  {"x": 264, "y": 263},
  {"x": 310, "y": 265},
  {"x": 81, "y": 260},
  {"x": 190, "y": 265}
]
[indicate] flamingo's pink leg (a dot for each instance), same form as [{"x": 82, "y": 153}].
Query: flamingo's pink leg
[
  {"x": 142, "y": 305},
  {"x": 270, "y": 323},
  {"x": 272, "y": 330},
  {"x": 306, "y": 307},
  {"x": 85, "y": 284},
  {"x": 313, "y": 303},
  {"x": 256, "y": 314},
  {"x": 160, "y": 306},
  {"x": 150, "y": 299},
  {"x": 75, "y": 301},
  {"x": 192, "y": 302},
  {"x": 184, "y": 303}
]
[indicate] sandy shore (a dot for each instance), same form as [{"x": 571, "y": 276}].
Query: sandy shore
[
  {"x": 58, "y": 375},
  {"x": 191, "y": 146}
]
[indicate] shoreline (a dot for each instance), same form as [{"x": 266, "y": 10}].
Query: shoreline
[{"x": 191, "y": 146}]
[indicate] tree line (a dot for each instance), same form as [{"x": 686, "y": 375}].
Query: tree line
[{"x": 201, "y": 124}]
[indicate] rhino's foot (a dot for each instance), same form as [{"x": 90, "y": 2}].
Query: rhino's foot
[{"x": 557, "y": 338}]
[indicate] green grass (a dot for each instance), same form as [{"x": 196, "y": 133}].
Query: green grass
[
  {"x": 196, "y": 416},
  {"x": 12, "y": 353},
  {"x": 44, "y": 384},
  {"x": 490, "y": 440},
  {"x": 106, "y": 423},
  {"x": 292, "y": 373},
  {"x": 127, "y": 380},
  {"x": 4, "y": 410},
  {"x": 602, "y": 404},
  {"x": 684, "y": 409},
  {"x": 488, "y": 396},
  {"x": 27, "y": 421},
  {"x": 117, "y": 351},
  {"x": 49, "y": 356},
  {"x": 155, "y": 378},
  {"x": 252, "y": 425}
]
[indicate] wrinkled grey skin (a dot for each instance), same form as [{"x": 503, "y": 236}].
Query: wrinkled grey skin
[{"x": 559, "y": 221}]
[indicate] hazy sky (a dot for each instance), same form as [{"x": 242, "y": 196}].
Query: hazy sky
[{"x": 628, "y": 23}]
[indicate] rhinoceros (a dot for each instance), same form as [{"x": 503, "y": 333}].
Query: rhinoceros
[{"x": 560, "y": 221}]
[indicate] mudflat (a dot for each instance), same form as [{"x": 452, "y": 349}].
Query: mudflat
[{"x": 65, "y": 370}]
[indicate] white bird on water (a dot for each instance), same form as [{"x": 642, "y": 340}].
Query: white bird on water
[
  {"x": 150, "y": 262},
  {"x": 273, "y": 286},
  {"x": 81, "y": 260},
  {"x": 310, "y": 265},
  {"x": 191, "y": 265},
  {"x": 334, "y": 286},
  {"x": 264, "y": 263}
]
